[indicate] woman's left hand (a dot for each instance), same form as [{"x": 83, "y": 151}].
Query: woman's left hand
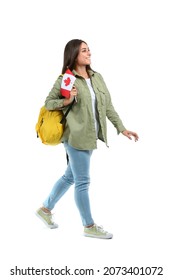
[{"x": 129, "y": 133}]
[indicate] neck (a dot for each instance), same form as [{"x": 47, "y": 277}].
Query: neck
[{"x": 82, "y": 72}]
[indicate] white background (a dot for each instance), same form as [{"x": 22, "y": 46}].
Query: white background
[{"x": 131, "y": 44}]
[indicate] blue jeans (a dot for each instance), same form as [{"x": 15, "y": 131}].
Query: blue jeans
[{"x": 77, "y": 173}]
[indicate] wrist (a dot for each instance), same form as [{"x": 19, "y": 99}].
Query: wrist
[{"x": 68, "y": 101}]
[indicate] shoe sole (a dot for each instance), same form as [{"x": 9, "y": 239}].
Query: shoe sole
[
  {"x": 49, "y": 226},
  {"x": 97, "y": 236}
]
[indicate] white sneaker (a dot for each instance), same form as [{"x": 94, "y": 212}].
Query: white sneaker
[
  {"x": 46, "y": 218},
  {"x": 97, "y": 232}
]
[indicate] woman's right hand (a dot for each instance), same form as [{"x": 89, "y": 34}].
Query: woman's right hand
[{"x": 73, "y": 94}]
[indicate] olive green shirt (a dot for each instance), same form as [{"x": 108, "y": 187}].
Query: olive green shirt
[{"x": 79, "y": 129}]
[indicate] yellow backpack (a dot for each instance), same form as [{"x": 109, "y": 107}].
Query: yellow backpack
[{"x": 50, "y": 125}]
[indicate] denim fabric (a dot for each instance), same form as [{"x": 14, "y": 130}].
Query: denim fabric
[{"x": 77, "y": 173}]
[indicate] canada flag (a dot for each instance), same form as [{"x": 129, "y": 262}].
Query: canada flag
[{"x": 67, "y": 83}]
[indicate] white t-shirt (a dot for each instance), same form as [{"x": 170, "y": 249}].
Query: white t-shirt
[{"x": 93, "y": 98}]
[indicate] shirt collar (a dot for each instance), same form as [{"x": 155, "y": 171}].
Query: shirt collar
[{"x": 91, "y": 73}]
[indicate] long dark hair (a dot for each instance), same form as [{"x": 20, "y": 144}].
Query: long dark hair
[{"x": 71, "y": 52}]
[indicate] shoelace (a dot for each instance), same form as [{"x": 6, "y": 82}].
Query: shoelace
[
  {"x": 51, "y": 216},
  {"x": 100, "y": 228}
]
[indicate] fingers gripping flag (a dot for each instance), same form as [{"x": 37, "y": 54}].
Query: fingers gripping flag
[{"x": 67, "y": 83}]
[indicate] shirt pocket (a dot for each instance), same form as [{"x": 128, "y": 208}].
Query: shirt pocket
[{"x": 101, "y": 96}]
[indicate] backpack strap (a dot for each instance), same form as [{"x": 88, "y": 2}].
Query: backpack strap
[
  {"x": 63, "y": 119},
  {"x": 68, "y": 110}
]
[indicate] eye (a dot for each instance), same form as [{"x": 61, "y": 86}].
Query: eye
[{"x": 85, "y": 50}]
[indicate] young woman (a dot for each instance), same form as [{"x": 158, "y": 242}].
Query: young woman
[{"x": 85, "y": 124}]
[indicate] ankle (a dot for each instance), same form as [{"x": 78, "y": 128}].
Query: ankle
[
  {"x": 90, "y": 226},
  {"x": 45, "y": 210}
]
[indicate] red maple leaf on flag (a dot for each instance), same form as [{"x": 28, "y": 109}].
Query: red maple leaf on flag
[{"x": 67, "y": 81}]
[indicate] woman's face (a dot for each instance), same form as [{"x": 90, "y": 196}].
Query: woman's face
[{"x": 84, "y": 56}]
